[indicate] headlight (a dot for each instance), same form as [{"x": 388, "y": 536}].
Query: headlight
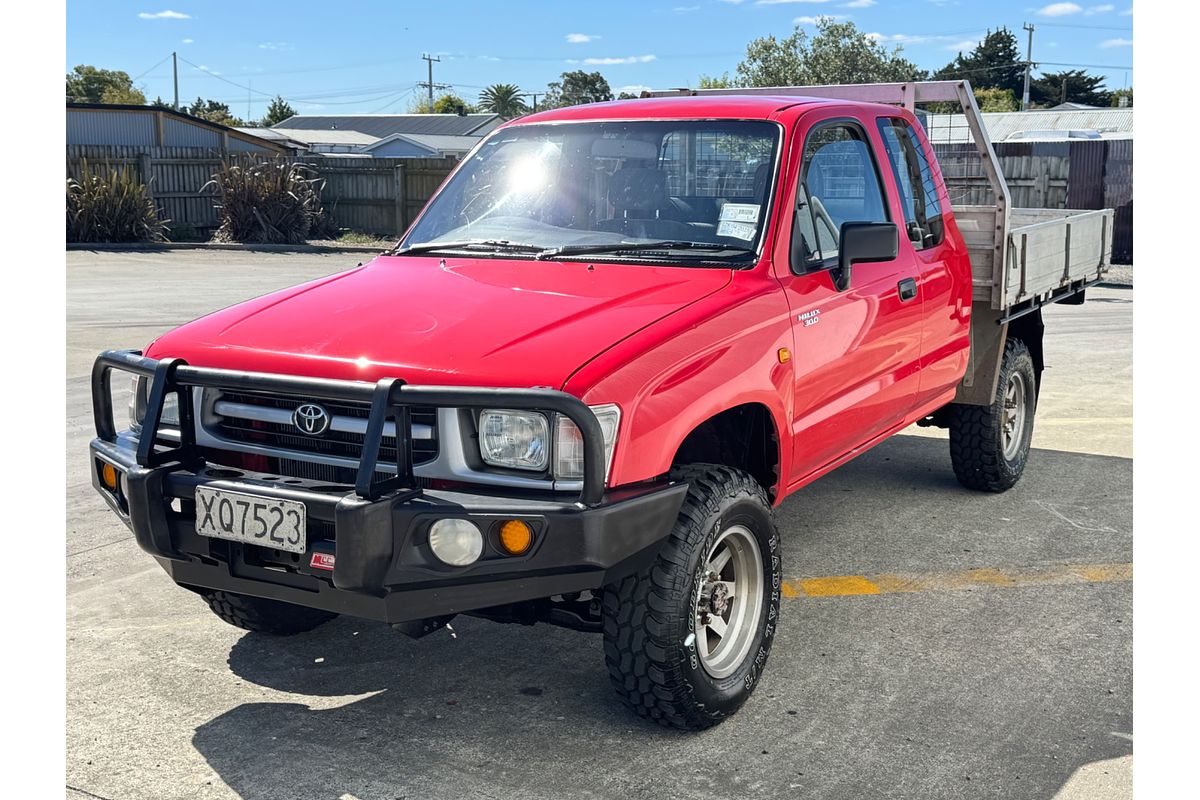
[
  {"x": 568, "y": 442},
  {"x": 137, "y": 405},
  {"x": 514, "y": 439}
]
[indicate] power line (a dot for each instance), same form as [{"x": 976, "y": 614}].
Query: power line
[
  {"x": 1090, "y": 27},
  {"x": 223, "y": 78},
  {"x": 1086, "y": 66},
  {"x": 143, "y": 73}
]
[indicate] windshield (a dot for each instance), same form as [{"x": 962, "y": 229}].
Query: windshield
[{"x": 693, "y": 191}]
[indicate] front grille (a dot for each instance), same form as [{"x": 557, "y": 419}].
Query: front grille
[{"x": 284, "y": 436}]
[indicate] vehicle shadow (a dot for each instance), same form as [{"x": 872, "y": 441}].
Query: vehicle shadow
[{"x": 972, "y": 694}]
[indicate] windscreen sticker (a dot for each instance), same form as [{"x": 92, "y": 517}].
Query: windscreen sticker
[
  {"x": 739, "y": 212},
  {"x": 738, "y": 230}
]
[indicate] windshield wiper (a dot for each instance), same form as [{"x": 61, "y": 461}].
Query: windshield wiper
[
  {"x": 621, "y": 247},
  {"x": 468, "y": 244}
]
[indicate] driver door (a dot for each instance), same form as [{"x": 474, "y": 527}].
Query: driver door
[{"x": 857, "y": 352}]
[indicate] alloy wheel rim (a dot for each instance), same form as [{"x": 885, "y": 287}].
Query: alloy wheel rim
[
  {"x": 730, "y": 602},
  {"x": 1012, "y": 421}
]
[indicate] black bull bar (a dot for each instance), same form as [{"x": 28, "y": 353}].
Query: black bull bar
[{"x": 391, "y": 399}]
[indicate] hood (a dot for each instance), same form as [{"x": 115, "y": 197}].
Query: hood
[{"x": 454, "y": 321}]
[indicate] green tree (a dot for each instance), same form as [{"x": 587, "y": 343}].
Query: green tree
[
  {"x": 1119, "y": 94},
  {"x": 503, "y": 99},
  {"x": 123, "y": 95},
  {"x": 838, "y": 53},
  {"x": 277, "y": 112},
  {"x": 88, "y": 84},
  {"x": 1069, "y": 86},
  {"x": 577, "y": 87},
  {"x": 452, "y": 104},
  {"x": 722, "y": 81},
  {"x": 994, "y": 99},
  {"x": 213, "y": 111},
  {"x": 995, "y": 63},
  {"x": 629, "y": 96}
]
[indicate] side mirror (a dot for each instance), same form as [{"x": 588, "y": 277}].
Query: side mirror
[{"x": 863, "y": 242}]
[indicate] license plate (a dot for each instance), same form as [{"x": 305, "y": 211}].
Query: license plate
[{"x": 264, "y": 521}]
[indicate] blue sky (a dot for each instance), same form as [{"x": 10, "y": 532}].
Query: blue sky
[{"x": 365, "y": 57}]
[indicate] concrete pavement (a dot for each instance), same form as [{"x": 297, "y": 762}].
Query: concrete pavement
[{"x": 969, "y": 685}]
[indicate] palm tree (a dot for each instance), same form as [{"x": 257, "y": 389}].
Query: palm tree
[{"x": 503, "y": 99}]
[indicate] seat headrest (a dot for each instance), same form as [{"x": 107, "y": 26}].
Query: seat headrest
[
  {"x": 638, "y": 189},
  {"x": 762, "y": 176}
]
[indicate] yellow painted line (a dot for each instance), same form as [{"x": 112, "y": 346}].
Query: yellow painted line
[
  {"x": 837, "y": 585},
  {"x": 898, "y": 582}
]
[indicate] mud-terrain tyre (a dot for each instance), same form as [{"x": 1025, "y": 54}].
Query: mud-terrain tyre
[
  {"x": 653, "y": 620},
  {"x": 989, "y": 445},
  {"x": 263, "y": 616}
]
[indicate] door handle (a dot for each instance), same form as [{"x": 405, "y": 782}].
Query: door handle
[{"x": 907, "y": 289}]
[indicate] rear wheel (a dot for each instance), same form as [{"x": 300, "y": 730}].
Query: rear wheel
[
  {"x": 686, "y": 639},
  {"x": 262, "y": 615},
  {"x": 989, "y": 445}
]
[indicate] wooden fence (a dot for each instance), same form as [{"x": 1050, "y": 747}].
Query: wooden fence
[
  {"x": 372, "y": 195},
  {"x": 1079, "y": 174}
]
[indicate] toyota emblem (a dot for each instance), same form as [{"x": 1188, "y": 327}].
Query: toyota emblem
[{"x": 311, "y": 419}]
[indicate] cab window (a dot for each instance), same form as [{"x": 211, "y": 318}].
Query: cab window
[
  {"x": 914, "y": 179},
  {"x": 838, "y": 183}
]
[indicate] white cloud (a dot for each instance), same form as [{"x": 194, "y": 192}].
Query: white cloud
[
  {"x": 581, "y": 38},
  {"x": 613, "y": 60},
  {"x": 164, "y": 15},
  {"x": 1127, "y": 12},
  {"x": 1059, "y": 10},
  {"x": 1117, "y": 43},
  {"x": 276, "y": 46},
  {"x": 786, "y": 2},
  {"x": 1103, "y": 9},
  {"x": 633, "y": 88},
  {"x": 733, "y": 2},
  {"x": 859, "y": 4},
  {"x": 816, "y": 19},
  {"x": 188, "y": 41},
  {"x": 963, "y": 46},
  {"x": 685, "y": 9}
]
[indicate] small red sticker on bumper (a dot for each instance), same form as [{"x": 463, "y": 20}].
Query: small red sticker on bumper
[{"x": 322, "y": 561}]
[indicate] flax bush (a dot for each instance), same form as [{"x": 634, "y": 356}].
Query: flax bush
[
  {"x": 111, "y": 204},
  {"x": 269, "y": 202}
]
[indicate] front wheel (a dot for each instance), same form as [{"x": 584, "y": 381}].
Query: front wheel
[
  {"x": 989, "y": 445},
  {"x": 686, "y": 639},
  {"x": 262, "y": 615}
]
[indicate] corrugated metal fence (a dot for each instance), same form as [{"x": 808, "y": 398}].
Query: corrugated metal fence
[
  {"x": 1080, "y": 174},
  {"x": 372, "y": 195}
]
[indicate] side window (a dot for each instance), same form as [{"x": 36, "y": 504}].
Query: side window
[
  {"x": 918, "y": 193},
  {"x": 838, "y": 183}
]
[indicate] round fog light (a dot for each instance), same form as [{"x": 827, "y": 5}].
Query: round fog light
[
  {"x": 515, "y": 537},
  {"x": 457, "y": 542}
]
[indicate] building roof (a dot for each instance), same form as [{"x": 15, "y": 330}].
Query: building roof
[
  {"x": 1110, "y": 123},
  {"x": 255, "y": 138},
  {"x": 436, "y": 143},
  {"x": 326, "y": 136},
  {"x": 381, "y": 126}
]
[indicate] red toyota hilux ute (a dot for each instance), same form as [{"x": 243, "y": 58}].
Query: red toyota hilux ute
[{"x": 612, "y": 342}]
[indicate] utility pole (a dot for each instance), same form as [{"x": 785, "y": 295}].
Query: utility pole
[
  {"x": 1028, "y": 66},
  {"x": 534, "y": 95},
  {"x": 175, "y": 71},
  {"x": 430, "y": 84},
  {"x": 249, "y": 89}
]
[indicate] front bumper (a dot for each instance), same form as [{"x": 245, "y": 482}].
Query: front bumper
[
  {"x": 381, "y": 567},
  {"x": 377, "y": 531}
]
